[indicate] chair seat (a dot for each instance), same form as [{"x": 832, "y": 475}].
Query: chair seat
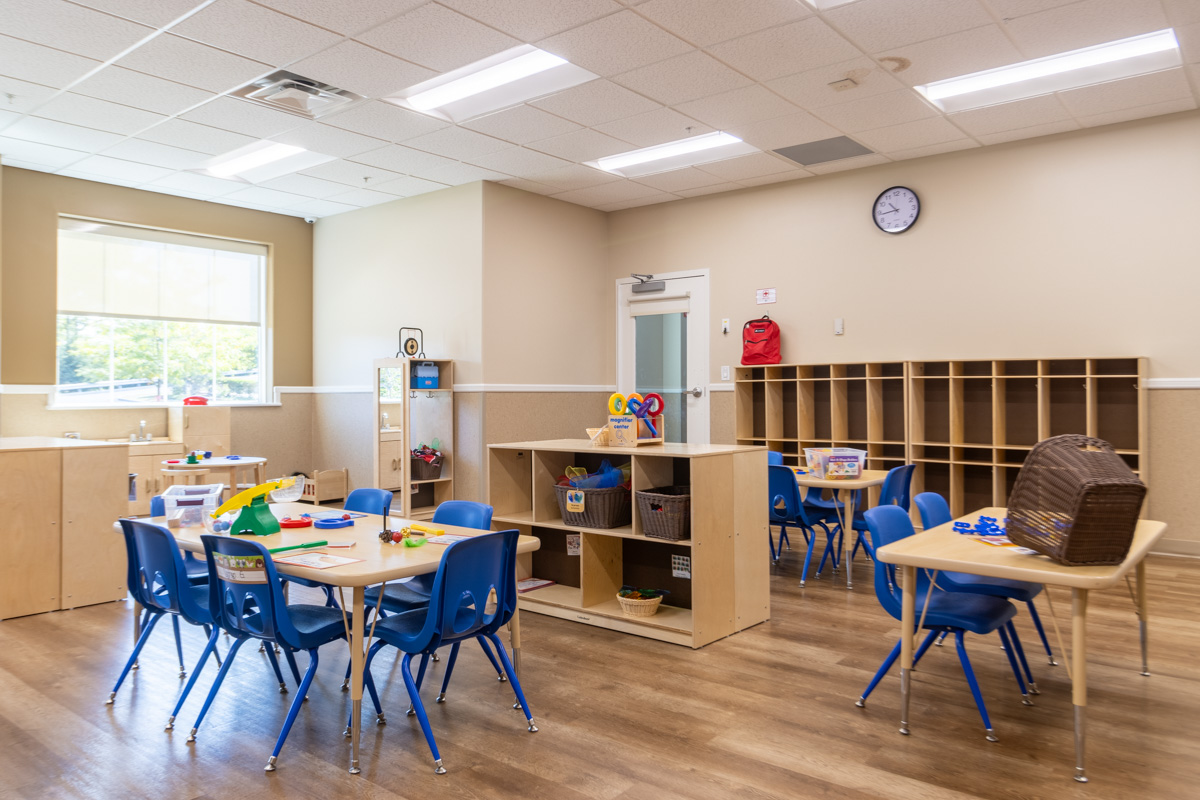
[
  {"x": 406, "y": 625},
  {"x": 960, "y": 582},
  {"x": 398, "y": 597},
  {"x": 317, "y": 625},
  {"x": 977, "y": 613},
  {"x": 814, "y": 499}
]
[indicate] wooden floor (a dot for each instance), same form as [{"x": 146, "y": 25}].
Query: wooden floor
[{"x": 768, "y": 713}]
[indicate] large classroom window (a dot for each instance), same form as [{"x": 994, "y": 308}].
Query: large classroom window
[{"x": 150, "y": 316}]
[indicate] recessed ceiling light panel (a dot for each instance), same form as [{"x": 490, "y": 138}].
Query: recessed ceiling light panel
[
  {"x": 506, "y": 79},
  {"x": 703, "y": 149},
  {"x": 296, "y": 94},
  {"x": 1124, "y": 58},
  {"x": 262, "y": 161}
]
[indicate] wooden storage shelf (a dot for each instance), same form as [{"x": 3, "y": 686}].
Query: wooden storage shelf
[
  {"x": 729, "y": 587},
  {"x": 415, "y": 416}
]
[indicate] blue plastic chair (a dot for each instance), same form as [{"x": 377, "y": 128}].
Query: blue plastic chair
[
  {"x": 774, "y": 458},
  {"x": 787, "y": 510},
  {"x": 934, "y": 512},
  {"x": 458, "y": 610},
  {"x": 253, "y": 607},
  {"x": 895, "y": 491},
  {"x": 812, "y": 497},
  {"x": 948, "y": 612},
  {"x": 197, "y": 570}
]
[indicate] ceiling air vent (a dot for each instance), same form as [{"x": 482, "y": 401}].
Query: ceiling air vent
[
  {"x": 295, "y": 94},
  {"x": 834, "y": 149}
]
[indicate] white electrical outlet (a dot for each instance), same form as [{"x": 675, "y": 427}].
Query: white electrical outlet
[
  {"x": 839, "y": 327},
  {"x": 724, "y": 373}
]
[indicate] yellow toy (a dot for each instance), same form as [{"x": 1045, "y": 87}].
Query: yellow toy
[{"x": 256, "y": 518}]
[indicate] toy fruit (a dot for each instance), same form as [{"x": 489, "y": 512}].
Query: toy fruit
[{"x": 397, "y": 536}]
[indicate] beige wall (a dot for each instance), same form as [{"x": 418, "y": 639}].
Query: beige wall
[{"x": 32, "y": 203}]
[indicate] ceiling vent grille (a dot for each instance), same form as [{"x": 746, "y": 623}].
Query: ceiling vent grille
[
  {"x": 825, "y": 150},
  {"x": 295, "y": 94}
]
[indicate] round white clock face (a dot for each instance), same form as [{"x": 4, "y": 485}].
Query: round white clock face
[{"x": 896, "y": 209}]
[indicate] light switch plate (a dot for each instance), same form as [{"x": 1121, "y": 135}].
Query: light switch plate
[
  {"x": 724, "y": 373},
  {"x": 839, "y": 327}
]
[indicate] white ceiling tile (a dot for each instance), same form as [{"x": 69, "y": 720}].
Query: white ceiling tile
[
  {"x": 384, "y": 121},
  {"x": 438, "y": 38},
  {"x": 714, "y": 189},
  {"x": 521, "y": 124},
  {"x": 582, "y": 145},
  {"x": 321, "y": 138},
  {"x": 305, "y": 185},
  {"x": 519, "y": 161},
  {"x": 1029, "y": 133},
  {"x": 879, "y": 25},
  {"x": 933, "y": 149},
  {"x": 617, "y": 43},
  {"x": 739, "y": 107},
  {"x": 192, "y": 63},
  {"x": 345, "y": 18},
  {"x": 13, "y": 163},
  {"x": 362, "y": 197},
  {"x": 1084, "y": 24},
  {"x": 779, "y": 177},
  {"x": 242, "y": 116},
  {"x": 1140, "y": 112},
  {"x": 595, "y": 103},
  {"x": 678, "y": 179},
  {"x": 530, "y": 20},
  {"x": 773, "y": 134},
  {"x": 150, "y": 187},
  {"x": 682, "y": 78},
  {"x": 20, "y": 96},
  {"x": 322, "y": 208},
  {"x": 607, "y": 193},
  {"x": 1144, "y": 90},
  {"x": 135, "y": 89},
  {"x": 110, "y": 180},
  {"x": 399, "y": 158},
  {"x": 954, "y": 55},
  {"x": 1011, "y": 116},
  {"x": 118, "y": 169},
  {"x": 200, "y": 184},
  {"x": 193, "y": 136},
  {"x": 254, "y": 32},
  {"x": 877, "y": 112},
  {"x": 1189, "y": 42},
  {"x": 575, "y": 176},
  {"x": 37, "y": 153},
  {"x": 155, "y": 154},
  {"x": 155, "y": 13},
  {"x": 361, "y": 69},
  {"x": 651, "y": 200},
  {"x": 266, "y": 197},
  {"x": 8, "y": 117},
  {"x": 42, "y": 65},
  {"x": 1182, "y": 12},
  {"x": 70, "y": 28},
  {"x": 252, "y": 206},
  {"x": 350, "y": 173},
  {"x": 654, "y": 127},
  {"x": 705, "y": 22},
  {"x": 751, "y": 166},
  {"x": 458, "y": 174},
  {"x": 60, "y": 134},
  {"x": 1006, "y": 9},
  {"x": 526, "y": 185},
  {"x": 407, "y": 186},
  {"x": 786, "y": 50},
  {"x": 458, "y": 143},
  {"x": 847, "y": 164},
  {"x": 79, "y": 109},
  {"x": 811, "y": 90},
  {"x": 908, "y": 135}
]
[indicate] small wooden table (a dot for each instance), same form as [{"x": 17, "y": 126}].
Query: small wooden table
[
  {"x": 941, "y": 548},
  {"x": 869, "y": 477},
  {"x": 229, "y": 466}
]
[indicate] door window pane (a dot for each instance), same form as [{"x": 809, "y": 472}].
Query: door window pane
[{"x": 660, "y": 366}]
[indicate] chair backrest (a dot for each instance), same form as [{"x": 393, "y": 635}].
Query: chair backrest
[
  {"x": 369, "y": 501},
  {"x": 470, "y": 570},
  {"x": 464, "y": 514},
  {"x": 774, "y": 458},
  {"x": 245, "y": 595},
  {"x": 158, "y": 572},
  {"x": 896, "y": 487},
  {"x": 784, "y": 493},
  {"x": 933, "y": 508},
  {"x": 890, "y": 524}
]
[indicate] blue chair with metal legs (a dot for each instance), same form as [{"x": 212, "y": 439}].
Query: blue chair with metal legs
[
  {"x": 895, "y": 491},
  {"x": 787, "y": 510},
  {"x": 934, "y": 512},
  {"x": 458, "y": 610},
  {"x": 246, "y": 597},
  {"x": 947, "y": 612},
  {"x": 197, "y": 570}
]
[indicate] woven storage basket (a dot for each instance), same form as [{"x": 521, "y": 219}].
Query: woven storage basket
[
  {"x": 639, "y": 608},
  {"x": 666, "y": 513},
  {"x": 602, "y": 508},
  {"x": 1076, "y": 501},
  {"x": 423, "y": 470}
]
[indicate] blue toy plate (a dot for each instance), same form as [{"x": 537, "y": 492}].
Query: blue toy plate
[{"x": 333, "y": 523}]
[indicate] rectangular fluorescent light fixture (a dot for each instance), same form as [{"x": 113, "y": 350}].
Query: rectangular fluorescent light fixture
[
  {"x": 262, "y": 161},
  {"x": 702, "y": 149},
  {"x": 1124, "y": 58},
  {"x": 506, "y": 79}
]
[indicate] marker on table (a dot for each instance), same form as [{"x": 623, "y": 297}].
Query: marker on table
[{"x": 321, "y": 543}]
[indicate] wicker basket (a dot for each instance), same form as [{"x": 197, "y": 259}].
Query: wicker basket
[
  {"x": 1076, "y": 501},
  {"x": 639, "y": 608},
  {"x": 602, "y": 508},
  {"x": 666, "y": 513},
  {"x": 423, "y": 470}
]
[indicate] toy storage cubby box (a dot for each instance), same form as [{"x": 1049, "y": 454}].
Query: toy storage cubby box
[
  {"x": 729, "y": 586},
  {"x": 415, "y": 416}
]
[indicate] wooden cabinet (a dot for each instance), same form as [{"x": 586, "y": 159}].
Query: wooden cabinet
[
  {"x": 30, "y": 582},
  {"x": 728, "y": 590},
  {"x": 145, "y": 459},
  {"x": 201, "y": 428},
  {"x": 413, "y": 417},
  {"x": 93, "y": 497},
  {"x": 391, "y": 460}
]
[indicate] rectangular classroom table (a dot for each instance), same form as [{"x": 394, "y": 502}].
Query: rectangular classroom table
[
  {"x": 942, "y": 548},
  {"x": 868, "y": 478},
  {"x": 380, "y": 563}
]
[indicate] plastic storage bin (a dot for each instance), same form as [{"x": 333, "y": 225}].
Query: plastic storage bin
[
  {"x": 835, "y": 463},
  {"x": 425, "y": 375},
  {"x": 187, "y": 506}
]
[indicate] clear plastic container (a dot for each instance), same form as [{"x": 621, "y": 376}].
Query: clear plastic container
[
  {"x": 188, "y": 506},
  {"x": 835, "y": 463},
  {"x": 288, "y": 494}
]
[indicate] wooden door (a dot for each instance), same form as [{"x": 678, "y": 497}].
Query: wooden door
[
  {"x": 146, "y": 468},
  {"x": 30, "y": 509},
  {"x": 391, "y": 464},
  {"x": 93, "y": 497}
]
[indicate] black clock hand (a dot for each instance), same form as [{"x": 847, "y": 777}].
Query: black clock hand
[{"x": 893, "y": 207}]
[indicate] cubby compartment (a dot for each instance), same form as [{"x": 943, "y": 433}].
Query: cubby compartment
[
  {"x": 510, "y": 475},
  {"x": 1065, "y": 366},
  {"x": 791, "y": 410},
  {"x": 977, "y": 410},
  {"x": 1017, "y": 368},
  {"x": 1114, "y": 366},
  {"x": 973, "y": 455},
  {"x": 932, "y": 477},
  {"x": 822, "y": 410},
  {"x": 856, "y": 410},
  {"x": 923, "y": 452},
  {"x": 1020, "y": 415},
  {"x": 930, "y": 369},
  {"x": 774, "y": 420},
  {"x": 892, "y": 412},
  {"x": 894, "y": 369},
  {"x": 1012, "y": 455},
  {"x": 976, "y": 484},
  {"x": 983, "y": 368},
  {"x": 788, "y": 373},
  {"x": 856, "y": 370},
  {"x": 552, "y": 561},
  {"x": 1116, "y": 411},
  {"x": 1133, "y": 462},
  {"x": 1067, "y": 405},
  {"x": 822, "y": 371},
  {"x": 931, "y": 408},
  {"x": 1007, "y": 480}
]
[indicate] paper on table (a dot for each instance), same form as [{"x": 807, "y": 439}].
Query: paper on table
[
  {"x": 315, "y": 560},
  {"x": 447, "y": 538}
]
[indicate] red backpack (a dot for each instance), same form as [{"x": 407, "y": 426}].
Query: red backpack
[{"x": 760, "y": 341}]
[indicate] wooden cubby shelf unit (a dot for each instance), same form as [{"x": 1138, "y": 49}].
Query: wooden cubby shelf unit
[{"x": 729, "y": 586}]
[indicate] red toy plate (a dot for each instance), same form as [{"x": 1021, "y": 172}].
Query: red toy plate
[{"x": 301, "y": 522}]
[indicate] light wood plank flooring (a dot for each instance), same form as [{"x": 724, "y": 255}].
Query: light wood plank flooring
[{"x": 767, "y": 713}]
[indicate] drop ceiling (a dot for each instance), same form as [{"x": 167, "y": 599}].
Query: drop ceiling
[{"x": 139, "y": 93}]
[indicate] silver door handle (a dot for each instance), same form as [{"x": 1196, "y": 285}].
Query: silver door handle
[{"x": 696, "y": 392}]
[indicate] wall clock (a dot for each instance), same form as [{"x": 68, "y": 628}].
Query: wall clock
[{"x": 896, "y": 209}]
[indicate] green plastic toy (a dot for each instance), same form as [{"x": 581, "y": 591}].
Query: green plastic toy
[{"x": 256, "y": 519}]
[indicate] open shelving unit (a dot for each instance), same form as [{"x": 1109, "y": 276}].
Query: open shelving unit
[{"x": 728, "y": 589}]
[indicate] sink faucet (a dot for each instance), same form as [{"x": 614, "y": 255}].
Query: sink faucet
[{"x": 142, "y": 431}]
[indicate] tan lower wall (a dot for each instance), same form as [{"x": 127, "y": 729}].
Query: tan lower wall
[
  {"x": 281, "y": 433},
  {"x": 1174, "y": 442},
  {"x": 720, "y": 426},
  {"x": 342, "y": 427}
]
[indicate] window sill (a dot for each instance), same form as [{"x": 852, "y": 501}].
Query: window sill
[{"x": 154, "y": 406}]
